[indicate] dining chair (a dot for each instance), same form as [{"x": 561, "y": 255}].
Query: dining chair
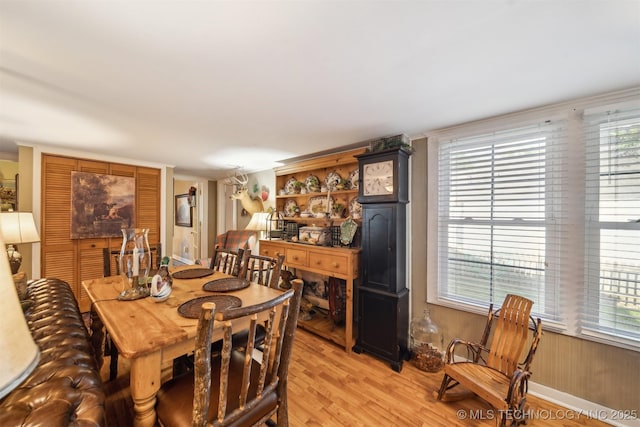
[
  {"x": 236, "y": 388},
  {"x": 111, "y": 257},
  {"x": 263, "y": 270},
  {"x": 110, "y": 267},
  {"x": 496, "y": 372},
  {"x": 229, "y": 261}
]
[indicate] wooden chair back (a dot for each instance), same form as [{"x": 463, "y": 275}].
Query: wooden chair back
[
  {"x": 510, "y": 334},
  {"x": 111, "y": 257},
  {"x": 228, "y": 261},
  {"x": 263, "y": 270},
  {"x": 250, "y": 389}
]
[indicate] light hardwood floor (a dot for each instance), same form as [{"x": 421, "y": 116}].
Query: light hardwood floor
[{"x": 328, "y": 387}]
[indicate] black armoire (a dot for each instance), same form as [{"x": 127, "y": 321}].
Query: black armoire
[{"x": 383, "y": 297}]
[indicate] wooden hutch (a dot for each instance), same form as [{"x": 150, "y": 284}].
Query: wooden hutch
[{"x": 331, "y": 259}]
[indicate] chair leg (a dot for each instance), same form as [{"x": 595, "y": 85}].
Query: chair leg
[
  {"x": 283, "y": 409},
  {"x": 443, "y": 386}
]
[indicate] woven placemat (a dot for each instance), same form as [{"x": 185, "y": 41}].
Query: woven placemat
[
  {"x": 191, "y": 309},
  {"x": 192, "y": 273},
  {"x": 226, "y": 284}
]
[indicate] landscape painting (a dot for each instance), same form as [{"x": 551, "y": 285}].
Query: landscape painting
[{"x": 101, "y": 205}]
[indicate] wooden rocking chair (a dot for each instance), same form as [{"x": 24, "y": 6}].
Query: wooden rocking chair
[{"x": 495, "y": 373}]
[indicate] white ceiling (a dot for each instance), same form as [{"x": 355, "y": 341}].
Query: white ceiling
[{"x": 207, "y": 86}]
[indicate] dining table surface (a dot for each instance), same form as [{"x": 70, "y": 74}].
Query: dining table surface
[{"x": 151, "y": 334}]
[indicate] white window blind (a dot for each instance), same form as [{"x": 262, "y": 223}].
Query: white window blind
[
  {"x": 549, "y": 211},
  {"x": 501, "y": 217},
  {"x": 612, "y": 224}
]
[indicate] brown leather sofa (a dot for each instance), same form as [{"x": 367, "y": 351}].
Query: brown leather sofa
[{"x": 65, "y": 388}]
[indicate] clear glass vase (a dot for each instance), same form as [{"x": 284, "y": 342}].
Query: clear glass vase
[
  {"x": 427, "y": 342},
  {"x": 135, "y": 262}
]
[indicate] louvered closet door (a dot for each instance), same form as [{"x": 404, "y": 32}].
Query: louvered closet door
[
  {"x": 148, "y": 201},
  {"x": 81, "y": 259},
  {"x": 58, "y": 251}
]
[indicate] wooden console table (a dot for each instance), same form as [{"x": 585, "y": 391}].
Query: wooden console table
[{"x": 342, "y": 263}]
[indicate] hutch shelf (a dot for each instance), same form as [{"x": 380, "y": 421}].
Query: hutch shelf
[{"x": 333, "y": 179}]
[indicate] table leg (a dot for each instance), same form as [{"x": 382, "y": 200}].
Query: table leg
[
  {"x": 348, "y": 327},
  {"x": 145, "y": 383}
]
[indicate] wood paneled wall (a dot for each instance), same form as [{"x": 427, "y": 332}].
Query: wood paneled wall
[{"x": 75, "y": 260}]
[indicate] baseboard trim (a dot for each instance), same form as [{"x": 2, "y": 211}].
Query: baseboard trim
[{"x": 584, "y": 407}]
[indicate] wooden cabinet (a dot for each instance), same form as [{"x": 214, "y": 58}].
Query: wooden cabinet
[
  {"x": 342, "y": 263},
  {"x": 338, "y": 262},
  {"x": 75, "y": 260},
  {"x": 326, "y": 169}
]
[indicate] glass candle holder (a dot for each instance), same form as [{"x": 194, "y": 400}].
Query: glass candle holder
[{"x": 135, "y": 262}]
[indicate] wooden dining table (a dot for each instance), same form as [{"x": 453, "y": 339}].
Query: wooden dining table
[{"x": 151, "y": 334}]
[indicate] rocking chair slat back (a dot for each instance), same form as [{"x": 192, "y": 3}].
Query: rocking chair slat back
[{"x": 510, "y": 334}]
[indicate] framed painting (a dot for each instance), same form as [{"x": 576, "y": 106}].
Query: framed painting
[
  {"x": 101, "y": 205},
  {"x": 184, "y": 211}
]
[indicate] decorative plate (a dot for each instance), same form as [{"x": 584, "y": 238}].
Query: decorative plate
[
  {"x": 355, "y": 208},
  {"x": 192, "y": 273},
  {"x": 191, "y": 309},
  {"x": 311, "y": 182},
  {"x": 347, "y": 231},
  {"x": 332, "y": 179},
  {"x": 288, "y": 186},
  {"x": 318, "y": 204},
  {"x": 354, "y": 178},
  {"x": 226, "y": 284},
  {"x": 290, "y": 208}
]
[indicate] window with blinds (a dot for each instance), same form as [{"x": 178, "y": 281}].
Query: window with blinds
[
  {"x": 612, "y": 223},
  {"x": 549, "y": 211},
  {"x": 497, "y": 207}
]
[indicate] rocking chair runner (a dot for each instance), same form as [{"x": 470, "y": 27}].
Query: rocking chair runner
[{"x": 495, "y": 373}]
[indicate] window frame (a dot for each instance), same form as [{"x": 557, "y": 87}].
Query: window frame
[{"x": 567, "y": 320}]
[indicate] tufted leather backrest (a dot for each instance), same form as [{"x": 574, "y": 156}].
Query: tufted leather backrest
[
  {"x": 237, "y": 239},
  {"x": 65, "y": 388}
]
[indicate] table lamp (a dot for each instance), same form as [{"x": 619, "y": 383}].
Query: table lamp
[
  {"x": 20, "y": 354},
  {"x": 258, "y": 223},
  {"x": 17, "y": 227}
]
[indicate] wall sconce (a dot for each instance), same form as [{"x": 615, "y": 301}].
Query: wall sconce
[{"x": 17, "y": 227}]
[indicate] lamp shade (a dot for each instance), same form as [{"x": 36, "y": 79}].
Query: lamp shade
[
  {"x": 20, "y": 354},
  {"x": 18, "y": 227},
  {"x": 258, "y": 221}
]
